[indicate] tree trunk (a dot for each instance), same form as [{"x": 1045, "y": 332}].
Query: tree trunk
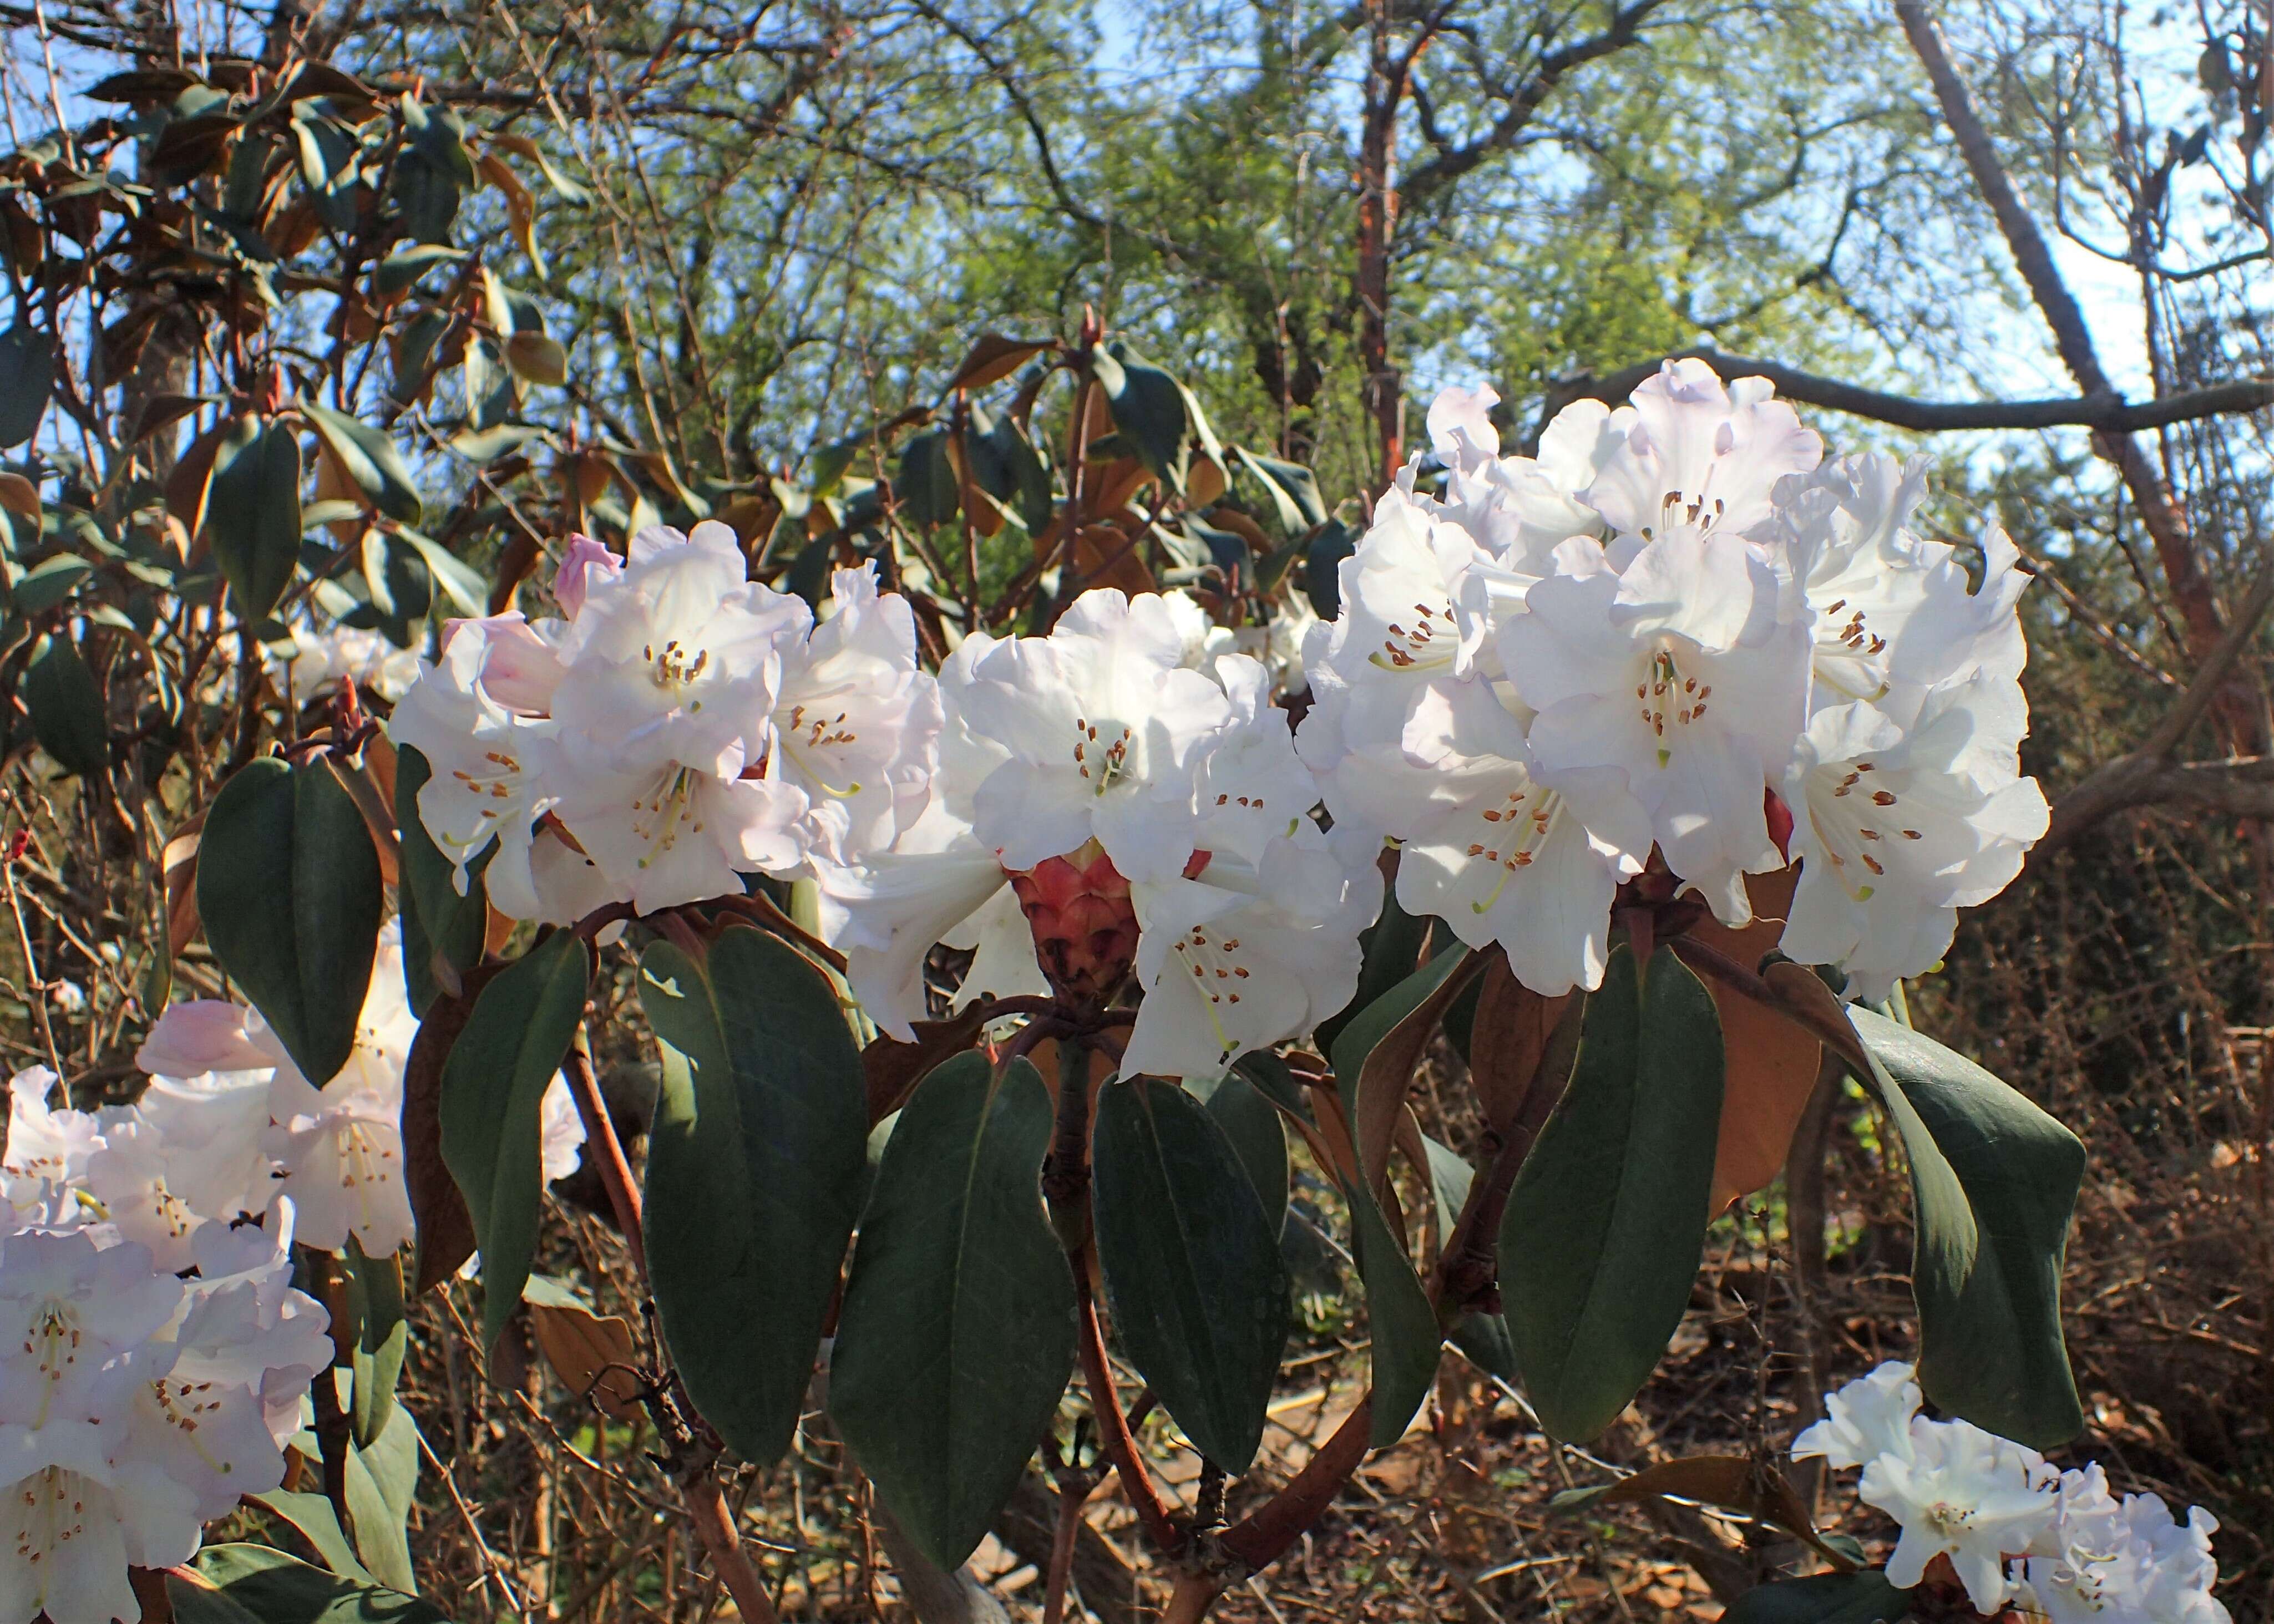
[{"x": 1377, "y": 225}]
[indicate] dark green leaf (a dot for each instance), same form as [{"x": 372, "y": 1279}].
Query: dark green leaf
[
  {"x": 1994, "y": 1180},
  {"x": 1148, "y": 410},
  {"x": 1322, "y": 562},
  {"x": 1293, "y": 490},
  {"x": 67, "y": 707},
  {"x": 320, "y": 1524},
  {"x": 1401, "y": 1321},
  {"x": 252, "y": 516},
  {"x": 926, "y": 488},
  {"x": 1251, "y": 1122},
  {"x": 288, "y": 888},
  {"x": 369, "y": 460},
  {"x": 1601, "y": 1237},
  {"x": 428, "y": 194},
  {"x": 49, "y": 582},
  {"x": 493, "y": 1088},
  {"x": 253, "y": 1581},
  {"x": 754, "y": 1175},
  {"x": 460, "y": 582},
  {"x": 958, "y": 1331},
  {"x": 381, "y": 1337},
  {"x": 1862, "y": 1597},
  {"x": 1357, "y": 1041},
  {"x": 381, "y": 1483},
  {"x": 1192, "y": 1265},
  {"x": 27, "y": 376},
  {"x": 436, "y": 919},
  {"x": 401, "y": 586}
]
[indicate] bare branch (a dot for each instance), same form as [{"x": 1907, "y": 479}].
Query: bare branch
[
  {"x": 2110, "y": 413},
  {"x": 2175, "y": 546},
  {"x": 2149, "y": 777}
]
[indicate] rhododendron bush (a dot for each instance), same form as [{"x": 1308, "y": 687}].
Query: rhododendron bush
[{"x": 1015, "y": 843}]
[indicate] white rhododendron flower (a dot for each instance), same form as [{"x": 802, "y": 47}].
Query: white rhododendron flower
[
  {"x": 1101, "y": 807},
  {"x": 482, "y": 787},
  {"x": 1963, "y": 1493},
  {"x": 136, "y": 1406},
  {"x": 321, "y": 661},
  {"x": 1240, "y": 957},
  {"x": 681, "y": 727},
  {"x": 47, "y": 1147},
  {"x": 1869, "y": 1417},
  {"x": 1689, "y": 450},
  {"x": 559, "y": 1132},
  {"x": 2123, "y": 1561},
  {"x": 1894, "y": 834},
  {"x": 1665, "y": 661},
  {"x": 2058, "y": 1545},
  {"x": 336, "y": 1152},
  {"x": 1674, "y": 639}
]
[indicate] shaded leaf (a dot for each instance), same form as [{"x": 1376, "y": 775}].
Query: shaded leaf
[
  {"x": 445, "y": 1227},
  {"x": 1149, "y": 411},
  {"x": 67, "y": 707},
  {"x": 253, "y": 1581},
  {"x": 493, "y": 1087},
  {"x": 1402, "y": 1321},
  {"x": 1251, "y": 1122},
  {"x": 370, "y": 460},
  {"x": 438, "y": 922},
  {"x": 958, "y": 1330},
  {"x": 289, "y": 893},
  {"x": 754, "y": 1169},
  {"x": 1192, "y": 1265},
  {"x": 313, "y": 1516},
  {"x": 382, "y": 1336},
  {"x": 1994, "y": 1180},
  {"x": 253, "y": 513},
  {"x": 1865, "y": 1597},
  {"x": 27, "y": 378},
  {"x": 1601, "y": 1237},
  {"x": 593, "y": 1354}
]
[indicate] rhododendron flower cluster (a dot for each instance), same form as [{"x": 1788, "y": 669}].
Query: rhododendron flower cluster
[
  {"x": 1676, "y": 636},
  {"x": 1124, "y": 810},
  {"x": 136, "y": 1405},
  {"x": 227, "y": 1128},
  {"x": 679, "y": 727},
  {"x": 2015, "y": 1531},
  {"x": 1675, "y": 650}
]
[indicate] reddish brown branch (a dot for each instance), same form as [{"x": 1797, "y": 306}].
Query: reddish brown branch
[{"x": 1115, "y": 1440}]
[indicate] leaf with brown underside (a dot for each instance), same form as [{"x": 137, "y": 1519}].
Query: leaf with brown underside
[
  {"x": 1736, "y": 1482},
  {"x": 593, "y": 1354},
  {"x": 993, "y": 357},
  {"x": 893, "y": 1067},
  {"x": 1388, "y": 1073},
  {"x": 1511, "y": 1034},
  {"x": 1111, "y": 554},
  {"x": 446, "y": 1228},
  {"x": 179, "y": 862},
  {"x": 1770, "y": 1061}
]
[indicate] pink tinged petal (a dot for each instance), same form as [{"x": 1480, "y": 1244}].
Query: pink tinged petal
[
  {"x": 205, "y": 1034},
  {"x": 585, "y": 562}
]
